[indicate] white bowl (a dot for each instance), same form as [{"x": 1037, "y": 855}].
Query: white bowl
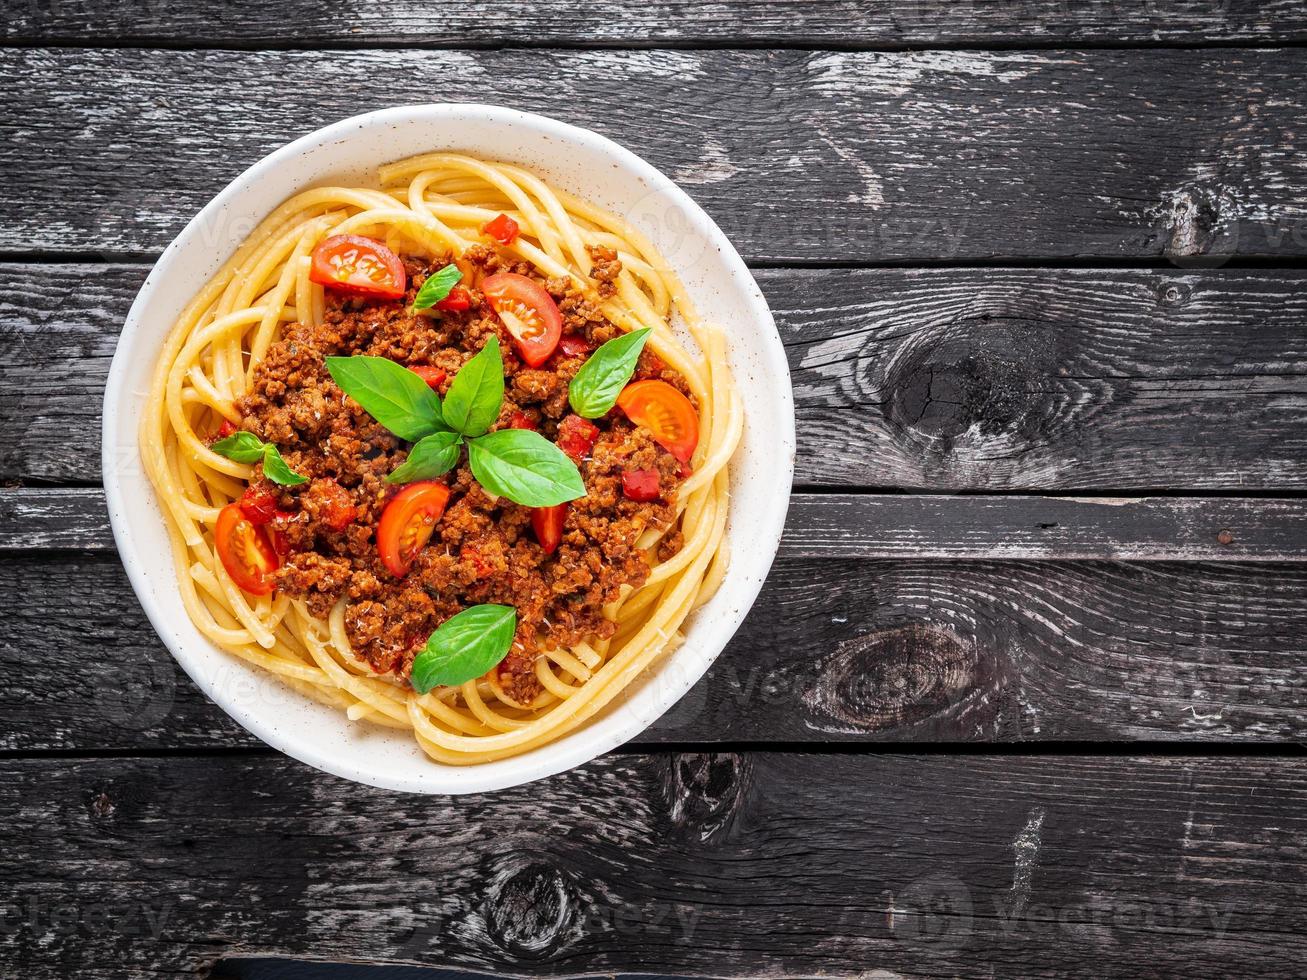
[{"x": 590, "y": 166}]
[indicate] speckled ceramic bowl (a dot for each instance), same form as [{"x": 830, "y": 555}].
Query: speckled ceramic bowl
[{"x": 575, "y": 159}]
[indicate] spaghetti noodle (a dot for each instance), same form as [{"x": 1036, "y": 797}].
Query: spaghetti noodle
[{"x": 432, "y": 205}]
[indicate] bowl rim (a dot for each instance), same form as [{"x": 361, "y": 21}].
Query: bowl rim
[{"x": 609, "y": 729}]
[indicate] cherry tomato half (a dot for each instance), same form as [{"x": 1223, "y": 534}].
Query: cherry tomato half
[
  {"x": 407, "y": 523},
  {"x": 501, "y": 228},
  {"x": 665, "y": 412},
  {"x": 359, "y": 266},
  {"x": 529, "y": 312},
  {"x": 245, "y": 550},
  {"x": 547, "y": 522}
]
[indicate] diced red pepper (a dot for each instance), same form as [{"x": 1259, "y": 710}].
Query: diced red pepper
[
  {"x": 640, "y": 485},
  {"x": 547, "y": 522},
  {"x": 502, "y": 228},
  {"x": 277, "y": 533},
  {"x": 519, "y": 420},
  {"x": 458, "y": 299},
  {"x": 259, "y": 504},
  {"x": 577, "y": 436},
  {"x": 330, "y": 503},
  {"x": 574, "y": 345},
  {"x": 480, "y": 566},
  {"x": 433, "y": 376}
]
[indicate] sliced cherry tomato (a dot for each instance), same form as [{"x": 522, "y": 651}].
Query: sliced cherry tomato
[
  {"x": 641, "y": 485},
  {"x": 433, "y": 376},
  {"x": 226, "y": 429},
  {"x": 245, "y": 550},
  {"x": 502, "y": 228},
  {"x": 518, "y": 420},
  {"x": 359, "y": 266},
  {"x": 547, "y": 522},
  {"x": 665, "y": 412},
  {"x": 407, "y": 523},
  {"x": 259, "y": 504},
  {"x": 457, "y": 299},
  {"x": 574, "y": 345},
  {"x": 577, "y": 436},
  {"x": 529, "y": 313}
]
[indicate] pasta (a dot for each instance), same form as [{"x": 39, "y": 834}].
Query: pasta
[{"x": 432, "y": 205}]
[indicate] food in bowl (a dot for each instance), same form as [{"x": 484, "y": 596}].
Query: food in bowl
[{"x": 432, "y": 453}]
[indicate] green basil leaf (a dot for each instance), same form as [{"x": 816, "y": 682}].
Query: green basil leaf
[
  {"x": 594, "y": 390},
  {"x": 432, "y": 457},
  {"x": 436, "y": 287},
  {"x": 276, "y": 470},
  {"x": 473, "y": 399},
  {"x": 525, "y": 467},
  {"x": 243, "y": 447},
  {"x": 464, "y": 647},
  {"x": 390, "y": 393}
]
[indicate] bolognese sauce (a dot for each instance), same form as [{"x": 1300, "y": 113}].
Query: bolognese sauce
[{"x": 557, "y": 566}]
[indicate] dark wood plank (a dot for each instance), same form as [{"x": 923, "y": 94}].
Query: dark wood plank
[
  {"x": 922, "y": 651},
  {"x": 843, "y": 23},
  {"x": 811, "y": 156},
  {"x": 730, "y": 865},
  {"x": 940, "y": 379},
  {"x": 873, "y": 526}
]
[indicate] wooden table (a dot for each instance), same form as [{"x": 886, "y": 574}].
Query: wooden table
[{"x": 1025, "y": 692}]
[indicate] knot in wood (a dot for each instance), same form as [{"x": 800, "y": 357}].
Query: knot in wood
[
  {"x": 705, "y": 790},
  {"x": 1194, "y": 225},
  {"x": 530, "y": 906},
  {"x": 894, "y": 678},
  {"x": 983, "y": 380}
]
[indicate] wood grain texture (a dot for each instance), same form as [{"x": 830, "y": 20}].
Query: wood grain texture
[
  {"x": 872, "y": 526},
  {"x": 724, "y": 864},
  {"x": 834, "y": 650},
  {"x": 799, "y": 155},
  {"x": 935, "y": 379},
  {"x": 842, "y": 23}
]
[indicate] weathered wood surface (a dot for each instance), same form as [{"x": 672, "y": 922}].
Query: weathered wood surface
[
  {"x": 939, "y": 379},
  {"x": 842, "y": 23},
  {"x": 799, "y": 155},
  {"x": 919, "y": 651},
  {"x": 729, "y": 865},
  {"x": 1270, "y": 529}
]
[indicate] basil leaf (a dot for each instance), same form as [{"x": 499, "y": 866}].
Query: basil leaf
[
  {"x": 431, "y": 457},
  {"x": 525, "y": 467},
  {"x": 243, "y": 447},
  {"x": 390, "y": 393},
  {"x": 436, "y": 287},
  {"x": 464, "y": 647},
  {"x": 594, "y": 389},
  {"x": 276, "y": 470},
  {"x": 473, "y": 400}
]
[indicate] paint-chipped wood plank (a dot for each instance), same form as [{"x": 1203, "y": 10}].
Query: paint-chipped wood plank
[
  {"x": 834, "y": 650},
  {"x": 873, "y": 526},
  {"x": 843, "y": 23},
  {"x": 931, "y": 379},
  {"x": 799, "y": 155},
  {"x": 737, "y": 865}
]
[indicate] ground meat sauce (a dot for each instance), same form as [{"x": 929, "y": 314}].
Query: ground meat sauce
[{"x": 483, "y": 549}]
